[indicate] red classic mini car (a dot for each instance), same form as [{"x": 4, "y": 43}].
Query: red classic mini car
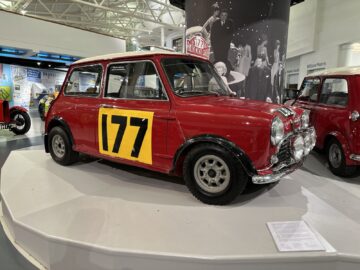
[
  {"x": 333, "y": 97},
  {"x": 172, "y": 113},
  {"x": 15, "y": 118}
]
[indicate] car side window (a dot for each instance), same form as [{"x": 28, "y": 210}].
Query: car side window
[
  {"x": 84, "y": 81},
  {"x": 334, "y": 92},
  {"x": 134, "y": 80},
  {"x": 309, "y": 90}
]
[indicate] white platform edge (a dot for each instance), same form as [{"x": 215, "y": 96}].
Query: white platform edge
[
  {"x": 25, "y": 254},
  {"x": 330, "y": 260}
]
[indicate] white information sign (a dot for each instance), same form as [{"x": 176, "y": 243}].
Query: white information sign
[{"x": 294, "y": 236}]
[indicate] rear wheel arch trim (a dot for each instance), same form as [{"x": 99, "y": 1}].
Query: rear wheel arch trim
[{"x": 238, "y": 153}]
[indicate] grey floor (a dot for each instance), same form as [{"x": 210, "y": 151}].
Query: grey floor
[{"x": 10, "y": 259}]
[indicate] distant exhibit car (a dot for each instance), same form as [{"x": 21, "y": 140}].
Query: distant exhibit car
[
  {"x": 15, "y": 118},
  {"x": 333, "y": 97},
  {"x": 172, "y": 113}
]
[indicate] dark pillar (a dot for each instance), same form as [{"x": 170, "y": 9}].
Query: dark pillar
[{"x": 249, "y": 37}]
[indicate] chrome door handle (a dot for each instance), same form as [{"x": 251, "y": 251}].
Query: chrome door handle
[{"x": 354, "y": 116}]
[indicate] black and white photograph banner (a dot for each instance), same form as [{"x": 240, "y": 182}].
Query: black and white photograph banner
[{"x": 245, "y": 40}]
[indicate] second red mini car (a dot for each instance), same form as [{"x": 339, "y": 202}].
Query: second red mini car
[{"x": 173, "y": 114}]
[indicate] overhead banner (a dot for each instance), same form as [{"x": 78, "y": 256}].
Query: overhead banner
[{"x": 245, "y": 40}]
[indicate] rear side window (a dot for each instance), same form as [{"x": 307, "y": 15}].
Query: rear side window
[
  {"x": 309, "y": 90},
  {"x": 84, "y": 81},
  {"x": 135, "y": 80},
  {"x": 334, "y": 92}
]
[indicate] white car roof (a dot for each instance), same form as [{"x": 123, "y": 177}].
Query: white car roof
[
  {"x": 124, "y": 55},
  {"x": 337, "y": 71}
]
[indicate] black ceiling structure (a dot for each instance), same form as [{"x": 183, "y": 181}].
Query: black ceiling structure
[{"x": 181, "y": 3}]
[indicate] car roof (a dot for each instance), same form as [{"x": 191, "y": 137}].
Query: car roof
[
  {"x": 125, "y": 55},
  {"x": 337, "y": 71}
]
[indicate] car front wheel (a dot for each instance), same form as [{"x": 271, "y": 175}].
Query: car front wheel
[
  {"x": 213, "y": 175},
  {"x": 60, "y": 147},
  {"x": 336, "y": 160}
]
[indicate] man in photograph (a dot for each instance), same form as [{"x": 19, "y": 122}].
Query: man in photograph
[{"x": 221, "y": 37}]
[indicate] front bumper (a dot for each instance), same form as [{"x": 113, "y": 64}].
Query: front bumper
[
  {"x": 290, "y": 163},
  {"x": 276, "y": 175}
]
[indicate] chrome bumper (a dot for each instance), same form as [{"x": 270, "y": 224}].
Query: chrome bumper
[
  {"x": 355, "y": 157},
  {"x": 277, "y": 175}
]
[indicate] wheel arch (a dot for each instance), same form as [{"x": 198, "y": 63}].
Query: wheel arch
[
  {"x": 57, "y": 122},
  {"x": 18, "y": 108},
  {"x": 339, "y": 137},
  {"x": 186, "y": 147}
]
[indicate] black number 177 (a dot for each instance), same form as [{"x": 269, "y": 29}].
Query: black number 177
[{"x": 142, "y": 123}]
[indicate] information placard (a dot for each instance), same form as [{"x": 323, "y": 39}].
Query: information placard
[{"x": 294, "y": 236}]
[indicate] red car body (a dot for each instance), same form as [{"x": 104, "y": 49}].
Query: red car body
[
  {"x": 335, "y": 115},
  {"x": 242, "y": 127}
]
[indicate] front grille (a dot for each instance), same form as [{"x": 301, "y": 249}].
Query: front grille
[{"x": 285, "y": 151}]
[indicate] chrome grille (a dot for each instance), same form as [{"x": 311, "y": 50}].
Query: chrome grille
[{"x": 285, "y": 151}]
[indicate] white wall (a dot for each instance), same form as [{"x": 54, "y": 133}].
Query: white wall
[
  {"x": 302, "y": 27},
  {"x": 27, "y": 33},
  {"x": 337, "y": 23}
]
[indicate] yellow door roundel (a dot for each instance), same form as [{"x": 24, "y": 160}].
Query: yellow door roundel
[{"x": 126, "y": 134}]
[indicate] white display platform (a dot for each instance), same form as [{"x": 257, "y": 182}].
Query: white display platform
[{"x": 93, "y": 216}]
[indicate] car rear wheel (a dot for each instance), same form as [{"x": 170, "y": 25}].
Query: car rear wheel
[
  {"x": 22, "y": 120},
  {"x": 60, "y": 147},
  {"x": 213, "y": 175},
  {"x": 337, "y": 161}
]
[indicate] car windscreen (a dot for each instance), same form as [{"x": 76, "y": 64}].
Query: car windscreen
[{"x": 191, "y": 77}]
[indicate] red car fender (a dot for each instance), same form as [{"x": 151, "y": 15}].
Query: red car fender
[
  {"x": 18, "y": 108},
  {"x": 344, "y": 144}
]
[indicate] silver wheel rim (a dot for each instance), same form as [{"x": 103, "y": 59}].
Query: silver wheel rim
[
  {"x": 18, "y": 117},
  {"x": 335, "y": 156},
  {"x": 212, "y": 174},
  {"x": 58, "y": 146}
]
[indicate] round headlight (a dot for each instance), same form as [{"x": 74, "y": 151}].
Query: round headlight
[
  {"x": 298, "y": 148},
  {"x": 277, "y": 131},
  {"x": 305, "y": 119},
  {"x": 307, "y": 143}
]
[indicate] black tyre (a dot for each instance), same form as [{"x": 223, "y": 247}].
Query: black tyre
[
  {"x": 60, "y": 147},
  {"x": 213, "y": 175},
  {"x": 336, "y": 160},
  {"x": 22, "y": 120}
]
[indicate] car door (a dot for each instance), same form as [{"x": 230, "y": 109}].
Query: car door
[
  {"x": 80, "y": 104},
  {"x": 308, "y": 97},
  {"x": 133, "y": 116},
  {"x": 332, "y": 114}
]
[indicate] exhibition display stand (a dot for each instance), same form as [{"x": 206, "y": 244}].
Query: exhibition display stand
[{"x": 94, "y": 216}]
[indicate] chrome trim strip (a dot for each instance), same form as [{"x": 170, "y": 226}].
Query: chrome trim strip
[{"x": 355, "y": 157}]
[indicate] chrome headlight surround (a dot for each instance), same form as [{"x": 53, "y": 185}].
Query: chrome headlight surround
[
  {"x": 277, "y": 131},
  {"x": 305, "y": 119},
  {"x": 298, "y": 148}
]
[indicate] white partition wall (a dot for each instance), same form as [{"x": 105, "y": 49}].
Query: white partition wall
[
  {"x": 28, "y": 33},
  {"x": 322, "y": 34}
]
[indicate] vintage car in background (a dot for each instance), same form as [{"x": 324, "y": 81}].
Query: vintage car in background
[
  {"x": 333, "y": 97},
  {"x": 161, "y": 111},
  {"x": 15, "y": 118}
]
